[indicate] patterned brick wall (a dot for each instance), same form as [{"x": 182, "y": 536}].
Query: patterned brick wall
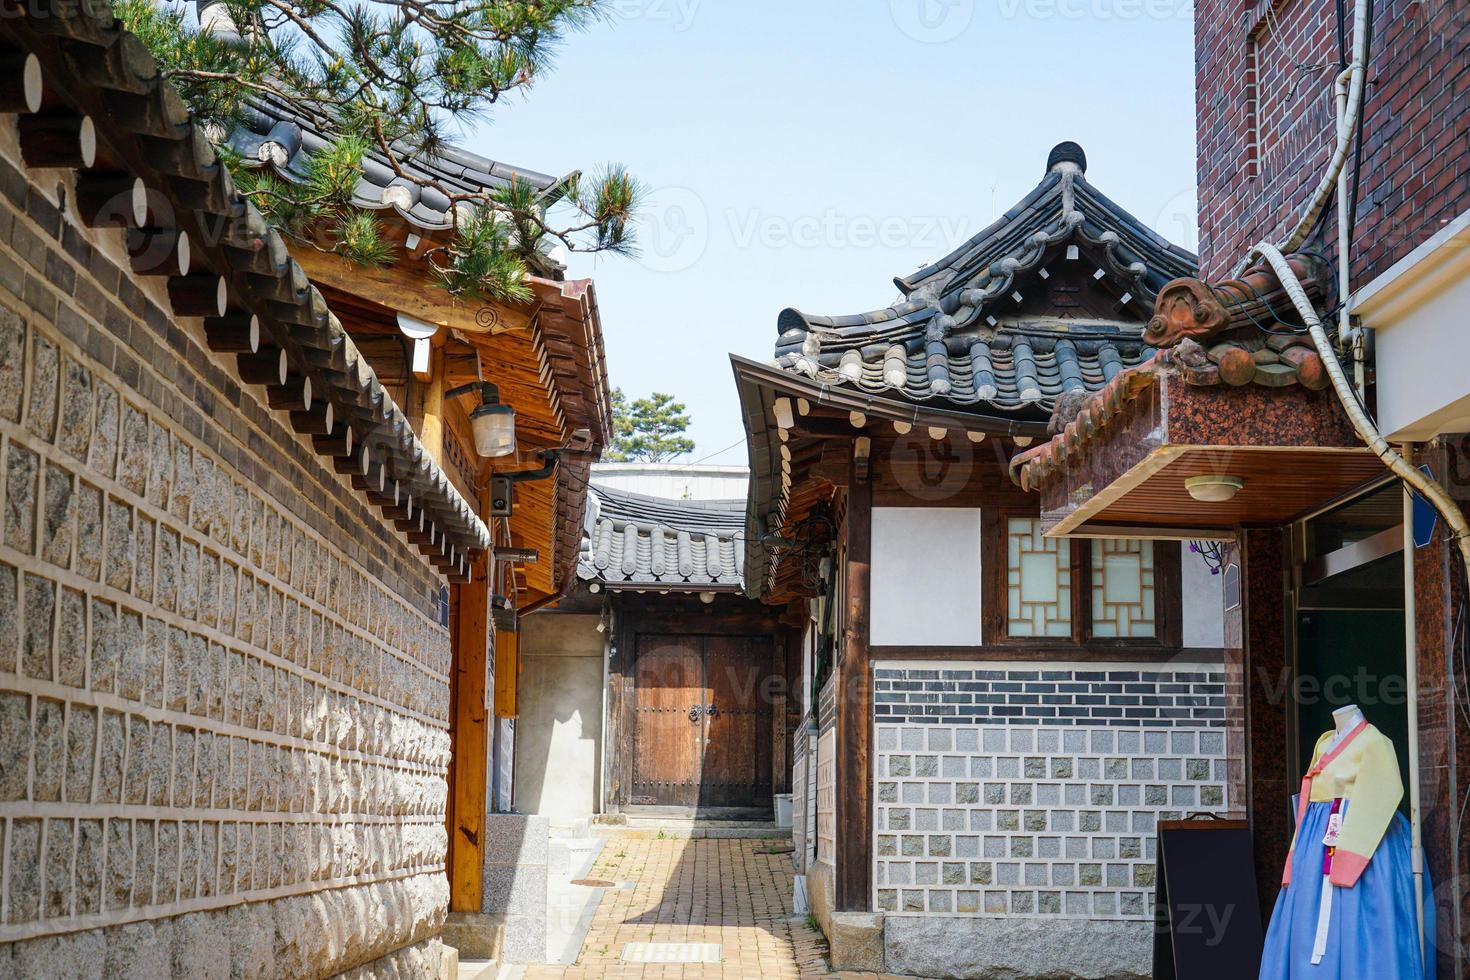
[
  {"x": 221, "y": 682},
  {"x": 1416, "y": 134},
  {"x": 1163, "y": 697},
  {"x": 990, "y": 817}
]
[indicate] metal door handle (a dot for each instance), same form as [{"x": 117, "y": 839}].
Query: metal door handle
[
  {"x": 694, "y": 713},
  {"x": 711, "y": 710}
]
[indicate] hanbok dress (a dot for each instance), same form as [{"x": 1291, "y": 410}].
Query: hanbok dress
[{"x": 1346, "y": 910}]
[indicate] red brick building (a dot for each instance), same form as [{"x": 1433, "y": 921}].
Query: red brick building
[{"x": 1265, "y": 117}]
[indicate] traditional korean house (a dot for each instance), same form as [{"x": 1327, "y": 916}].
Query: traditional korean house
[
  {"x": 657, "y": 690},
  {"x": 445, "y": 358},
  {"x": 257, "y": 543},
  {"x": 994, "y": 720}
]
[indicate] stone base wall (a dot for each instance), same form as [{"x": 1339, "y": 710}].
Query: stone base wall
[
  {"x": 387, "y": 927},
  {"x": 966, "y": 947},
  {"x": 223, "y": 682},
  {"x": 1016, "y": 800}
]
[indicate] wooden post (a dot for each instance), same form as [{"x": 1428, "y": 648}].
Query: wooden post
[
  {"x": 507, "y": 674},
  {"x": 431, "y": 432},
  {"x": 855, "y": 714},
  {"x": 469, "y": 738}
]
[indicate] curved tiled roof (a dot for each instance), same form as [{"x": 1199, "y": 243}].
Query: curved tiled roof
[
  {"x": 276, "y": 135},
  {"x": 101, "y": 71},
  {"x": 955, "y": 335},
  {"x": 637, "y": 541}
]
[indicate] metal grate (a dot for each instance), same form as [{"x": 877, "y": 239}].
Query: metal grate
[{"x": 672, "y": 953}]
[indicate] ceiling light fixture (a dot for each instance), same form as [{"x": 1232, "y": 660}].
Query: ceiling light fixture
[{"x": 1213, "y": 489}]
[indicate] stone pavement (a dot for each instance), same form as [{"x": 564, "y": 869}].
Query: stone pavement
[{"x": 730, "y": 892}]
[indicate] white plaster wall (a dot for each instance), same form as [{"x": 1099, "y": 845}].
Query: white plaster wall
[
  {"x": 674, "y": 481},
  {"x": 1204, "y": 602},
  {"x": 559, "y": 732},
  {"x": 925, "y": 576}
]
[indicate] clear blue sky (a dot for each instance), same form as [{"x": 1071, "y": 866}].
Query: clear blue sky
[{"x": 804, "y": 152}]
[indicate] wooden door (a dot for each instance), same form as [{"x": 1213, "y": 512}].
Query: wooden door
[
  {"x": 668, "y": 720},
  {"x": 702, "y": 721},
  {"x": 737, "y": 750}
]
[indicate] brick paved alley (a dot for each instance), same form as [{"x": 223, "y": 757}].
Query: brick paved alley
[{"x": 732, "y": 892}]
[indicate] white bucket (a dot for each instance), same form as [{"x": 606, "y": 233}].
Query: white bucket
[{"x": 783, "y": 810}]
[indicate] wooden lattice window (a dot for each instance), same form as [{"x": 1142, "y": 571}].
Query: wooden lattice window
[
  {"x": 1123, "y": 593},
  {"x": 1085, "y": 592},
  {"x": 1038, "y": 581}
]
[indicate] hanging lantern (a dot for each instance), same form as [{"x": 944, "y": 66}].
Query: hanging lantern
[{"x": 493, "y": 423}]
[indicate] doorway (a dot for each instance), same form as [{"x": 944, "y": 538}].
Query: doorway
[
  {"x": 1350, "y": 620},
  {"x": 702, "y": 717}
]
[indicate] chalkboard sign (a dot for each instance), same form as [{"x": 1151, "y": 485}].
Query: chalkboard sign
[{"x": 1208, "y": 913}]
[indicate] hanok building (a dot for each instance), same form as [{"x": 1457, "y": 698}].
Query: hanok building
[
  {"x": 247, "y": 572},
  {"x": 693, "y": 675},
  {"x": 994, "y": 720}
]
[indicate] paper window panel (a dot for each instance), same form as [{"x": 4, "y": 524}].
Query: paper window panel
[
  {"x": 1123, "y": 589},
  {"x": 1038, "y": 581}
]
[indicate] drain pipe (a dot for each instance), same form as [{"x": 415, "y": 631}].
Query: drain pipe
[
  {"x": 1349, "y": 336},
  {"x": 1454, "y": 519},
  {"x": 1411, "y": 681}
]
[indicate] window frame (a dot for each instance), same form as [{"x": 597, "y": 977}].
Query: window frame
[{"x": 995, "y": 606}]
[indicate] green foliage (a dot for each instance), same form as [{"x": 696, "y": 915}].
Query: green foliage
[
  {"x": 385, "y": 79},
  {"x": 649, "y": 429}
]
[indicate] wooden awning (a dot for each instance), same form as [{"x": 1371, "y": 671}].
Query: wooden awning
[{"x": 1120, "y": 467}]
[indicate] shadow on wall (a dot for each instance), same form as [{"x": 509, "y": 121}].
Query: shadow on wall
[{"x": 559, "y": 731}]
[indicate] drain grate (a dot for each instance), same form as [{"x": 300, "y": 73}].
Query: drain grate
[{"x": 672, "y": 953}]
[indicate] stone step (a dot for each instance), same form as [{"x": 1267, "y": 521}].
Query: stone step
[
  {"x": 477, "y": 970},
  {"x": 644, "y": 829}
]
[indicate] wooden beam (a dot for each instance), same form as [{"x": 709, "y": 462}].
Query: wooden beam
[
  {"x": 507, "y": 674},
  {"x": 469, "y": 739},
  {"x": 431, "y": 419},
  {"x": 406, "y": 288},
  {"x": 854, "y": 714}
]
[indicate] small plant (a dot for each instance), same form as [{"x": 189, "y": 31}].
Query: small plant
[
  {"x": 812, "y": 923},
  {"x": 662, "y": 835}
]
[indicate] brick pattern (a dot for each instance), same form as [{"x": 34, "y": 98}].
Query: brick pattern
[
  {"x": 1415, "y": 136},
  {"x": 206, "y": 697},
  {"x": 827, "y": 797},
  {"x": 736, "y": 893},
  {"x": 1020, "y": 821},
  {"x": 827, "y": 704},
  {"x": 1165, "y": 697}
]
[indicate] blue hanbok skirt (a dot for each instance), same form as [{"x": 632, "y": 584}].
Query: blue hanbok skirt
[{"x": 1372, "y": 933}]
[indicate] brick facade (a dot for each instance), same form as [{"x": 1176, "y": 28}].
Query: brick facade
[
  {"x": 1416, "y": 136},
  {"x": 223, "y": 683}
]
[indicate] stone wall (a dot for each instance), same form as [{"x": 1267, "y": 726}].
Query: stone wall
[
  {"x": 223, "y": 683},
  {"x": 1006, "y": 818}
]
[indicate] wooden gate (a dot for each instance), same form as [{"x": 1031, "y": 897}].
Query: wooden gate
[{"x": 702, "y": 721}]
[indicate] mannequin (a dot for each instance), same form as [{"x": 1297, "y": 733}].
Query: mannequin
[
  {"x": 1344, "y": 720},
  {"x": 1346, "y": 910}
]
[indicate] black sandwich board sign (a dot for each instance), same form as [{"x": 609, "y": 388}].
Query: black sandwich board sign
[{"x": 1207, "y": 908}]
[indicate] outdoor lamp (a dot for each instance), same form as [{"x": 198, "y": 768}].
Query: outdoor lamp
[
  {"x": 1213, "y": 489},
  {"x": 493, "y": 423}
]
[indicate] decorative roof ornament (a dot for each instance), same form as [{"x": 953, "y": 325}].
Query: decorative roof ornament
[{"x": 1049, "y": 298}]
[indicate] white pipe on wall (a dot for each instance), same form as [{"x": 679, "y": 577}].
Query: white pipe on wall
[{"x": 1411, "y": 682}]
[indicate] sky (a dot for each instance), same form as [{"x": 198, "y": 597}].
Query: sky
[{"x": 803, "y": 153}]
